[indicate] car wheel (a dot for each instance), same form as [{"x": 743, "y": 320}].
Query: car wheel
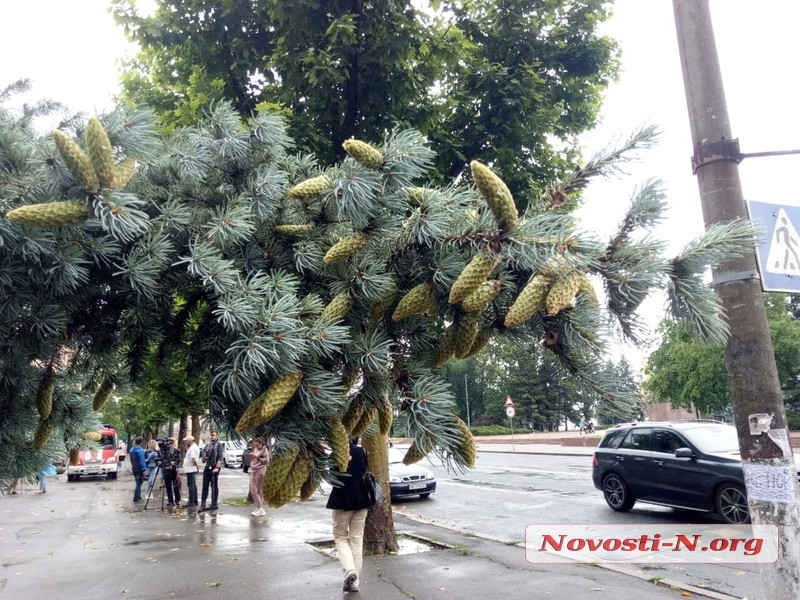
[
  {"x": 224, "y": 463},
  {"x": 423, "y": 496},
  {"x": 70, "y": 477},
  {"x": 245, "y": 469},
  {"x": 617, "y": 494},
  {"x": 732, "y": 504}
]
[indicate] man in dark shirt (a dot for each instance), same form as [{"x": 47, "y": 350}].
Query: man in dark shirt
[{"x": 213, "y": 457}]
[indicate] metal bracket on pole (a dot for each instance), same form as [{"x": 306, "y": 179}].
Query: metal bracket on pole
[
  {"x": 735, "y": 277},
  {"x": 710, "y": 152}
]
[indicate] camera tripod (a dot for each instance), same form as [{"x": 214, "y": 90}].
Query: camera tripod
[{"x": 150, "y": 487}]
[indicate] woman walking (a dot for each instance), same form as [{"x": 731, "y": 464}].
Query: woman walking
[
  {"x": 350, "y": 503},
  {"x": 258, "y": 467}
]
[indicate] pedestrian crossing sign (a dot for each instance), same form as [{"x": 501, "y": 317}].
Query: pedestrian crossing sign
[{"x": 778, "y": 251}]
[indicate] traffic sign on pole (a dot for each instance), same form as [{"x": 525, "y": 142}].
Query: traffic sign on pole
[
  {"x": 778, "y": 251},
  {"x": 509, "y": 402},
  {"x": 510, "y": 412}
]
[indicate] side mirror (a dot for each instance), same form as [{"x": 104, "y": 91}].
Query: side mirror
[{"x": 684, "y": 453}]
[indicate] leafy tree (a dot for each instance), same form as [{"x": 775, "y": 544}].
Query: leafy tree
[
  {"x": 317, "y": 301},
  {"x": 692, "y": 374},
  {"x": 511, "y": 82}
]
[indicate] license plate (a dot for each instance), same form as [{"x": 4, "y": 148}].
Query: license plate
[{"x": 417, "y": 486}]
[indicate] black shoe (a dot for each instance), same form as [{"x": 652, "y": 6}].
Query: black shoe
[
  {"x": 202, "y": 509},
  {"x": 213, "y": 507},
  {"x": 187, "y": 505}
]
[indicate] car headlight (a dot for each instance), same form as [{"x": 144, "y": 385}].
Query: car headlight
[
  {"x": 394, "y": 479},
  {"x": 429, "y": 476},
  {"x": 111, "y": 460}
]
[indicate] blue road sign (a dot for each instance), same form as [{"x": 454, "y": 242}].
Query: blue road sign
[{"x": 778, "y": 252}]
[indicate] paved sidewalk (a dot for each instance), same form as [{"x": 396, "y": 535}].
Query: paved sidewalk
[{"x": 86, "y": 540}]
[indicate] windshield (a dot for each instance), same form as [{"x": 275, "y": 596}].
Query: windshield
[
  {"x": 395, "y": 456},
  {"x": 108, "y": 442},
  {"x": 713, "y": 438}
]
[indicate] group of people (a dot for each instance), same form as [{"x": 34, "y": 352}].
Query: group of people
[
  {"x": 165, "y": 457},
  {"x": 349, "y": 502}
]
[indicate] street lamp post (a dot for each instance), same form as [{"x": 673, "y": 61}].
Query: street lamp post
[{"x": 466, "y": 397}]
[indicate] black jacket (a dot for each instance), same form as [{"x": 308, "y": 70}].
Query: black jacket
[{"x": 351, "y": 495}]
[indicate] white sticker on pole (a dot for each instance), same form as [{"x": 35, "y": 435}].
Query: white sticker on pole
[{"x": 770, "y": 483}]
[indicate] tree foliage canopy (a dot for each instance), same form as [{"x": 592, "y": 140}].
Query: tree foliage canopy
[
  {"x": 316, "y": 300},
  {"x": 509, "y": 82},
  {"x": 692, "y": 374}
]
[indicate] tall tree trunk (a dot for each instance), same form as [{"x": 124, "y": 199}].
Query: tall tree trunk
[
  {"x": 379, "y": 534},
  {"x": 196, "y": 427}
]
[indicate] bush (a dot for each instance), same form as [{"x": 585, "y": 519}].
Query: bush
[
  {"x": 793, "y": 420},
  {"x": 490, "y": 430}
]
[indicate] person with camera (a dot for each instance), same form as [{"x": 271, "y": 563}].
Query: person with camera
[
  {"x": 170, "y": 459},
  {"x": 212, "y": 454}
]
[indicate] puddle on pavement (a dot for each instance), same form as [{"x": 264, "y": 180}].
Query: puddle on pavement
[{"x": 408, "y": 544}]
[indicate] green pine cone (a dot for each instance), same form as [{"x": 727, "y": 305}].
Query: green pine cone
[
  {"x": 367, "y": 417},
  {"x": 468, "y": 325},
  {"x": 337, "y": 308},
  {"x": 102, "y": 394},
  {"x": 529, "y": 300},
  {"x": 295, "y": 478},
  {"x": 446, "y": 345},
  {"x": 485, "y": 293},
  {"x": 295, "y": 231},
  {"x": 383, "y": 302},
  {"x": 42, "y": 434},
  {"x": 484, "y": 337},
  {"x": 413, "y": 454},
  {"x": 466, "y": 448},
  {"x": 101, "y": 154},
  {"x": 277, "y": 472},
  {"x": 418, "y": 300},
  {"x": 366, "y": 154},
  {"x": 51, "y": 214},
  {"x": 269, "y": 403},
  {"x": 415, "y": 195},
  {"x": 345, "y": 248},
  {"x": 496, "y": 193},
  {"x": 352, "y": 416},
  {"x": 339, "y": 441},
  {"x": 44, "y": 395},
  {"x": 77, "y": 161},
  {"x": 123, "y": 171},
  {"x": 385, "y": 415},
  {"x": 310, "y": 188},
  {"x": 475, "y": 273},
  {"x": 562, "y": 293},
  {"x": 308, "y": 488},
  {"x": 586, "y": 289}
]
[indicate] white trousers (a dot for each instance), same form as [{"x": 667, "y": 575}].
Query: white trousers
[{"x": 348, "y": 534}]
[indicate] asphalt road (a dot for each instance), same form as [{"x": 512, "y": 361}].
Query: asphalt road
[{"x": 506, "y": 492}]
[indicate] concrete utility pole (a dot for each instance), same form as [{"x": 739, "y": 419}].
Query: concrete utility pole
[{"x": 760, "y": 418}]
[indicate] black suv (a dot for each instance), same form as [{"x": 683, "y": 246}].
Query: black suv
[{"x": 692, "y": 464}]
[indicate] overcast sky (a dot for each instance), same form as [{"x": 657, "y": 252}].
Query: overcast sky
[{"x": 70, "y": 49}]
